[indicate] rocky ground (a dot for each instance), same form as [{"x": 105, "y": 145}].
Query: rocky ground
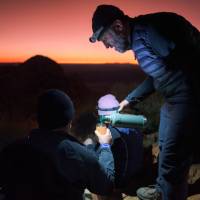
[
  {"x": 193, "y": 197},
  {"x": 193, "y": 180}
]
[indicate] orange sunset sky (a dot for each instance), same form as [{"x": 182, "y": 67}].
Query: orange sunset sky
[{"x": 60, "y": 29}]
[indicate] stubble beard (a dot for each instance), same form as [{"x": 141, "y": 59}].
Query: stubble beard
[{"x": 122, "y": 43}]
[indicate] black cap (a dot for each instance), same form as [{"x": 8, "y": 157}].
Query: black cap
[
  {"x": 103, "y": 17},
  {"x": 55, "y": 109}
]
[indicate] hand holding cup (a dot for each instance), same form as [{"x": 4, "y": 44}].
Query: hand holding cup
[{"x": 103, "y": 133}]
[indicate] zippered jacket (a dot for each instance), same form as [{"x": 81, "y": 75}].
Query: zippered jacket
[{"x": 167, "y": 48}]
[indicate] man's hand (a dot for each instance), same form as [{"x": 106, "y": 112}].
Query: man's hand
[
  {"x": 123, "y": 104},
  {"x": 104, "y": 138}
]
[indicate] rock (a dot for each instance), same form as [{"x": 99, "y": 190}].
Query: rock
[
  {"x": 194, "y": 174},
  {"x": 194, "y": 197},
  {"x": 131, "y": 198},
  {"x": 155, "y": 152}
]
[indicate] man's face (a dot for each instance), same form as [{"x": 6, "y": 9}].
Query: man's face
[{"x": 116, "y": 38}]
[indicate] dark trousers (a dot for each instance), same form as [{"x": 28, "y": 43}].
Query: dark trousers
[{"x": 177, "y": 134}]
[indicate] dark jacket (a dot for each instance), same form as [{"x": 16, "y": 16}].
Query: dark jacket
[
  {"x": 167, "y": 48},
  {"x": 127, "y": 149},
  {"x": 54, "y": 165}
]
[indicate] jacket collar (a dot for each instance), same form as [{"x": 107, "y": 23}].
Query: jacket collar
[{"x": 59, "y": 132}]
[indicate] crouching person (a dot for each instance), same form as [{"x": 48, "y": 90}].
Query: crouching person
[
  {"x": 50, "y": 163},
  {"x": 127, "y": 148}
]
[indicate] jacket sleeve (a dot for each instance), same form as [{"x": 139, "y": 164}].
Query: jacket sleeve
[
  {"x": 101, "y": 175},
  {"x": 143, "y": 90},
  {"x": 83, "y": 168}
]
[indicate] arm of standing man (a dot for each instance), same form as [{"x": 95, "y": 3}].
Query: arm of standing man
[{"x": 141, "y": 92}]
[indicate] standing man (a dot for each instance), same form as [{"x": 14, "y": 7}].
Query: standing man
[{"x": 167, "y": 48}]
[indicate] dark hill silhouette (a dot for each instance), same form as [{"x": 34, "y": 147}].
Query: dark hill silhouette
[
  {"x": 39, "y": 73},
  {"x": 22, "y": 86},
  {"x": 37, "y": 60}
]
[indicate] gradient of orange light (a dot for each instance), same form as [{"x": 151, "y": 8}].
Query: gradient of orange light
[{"x": 60, "y": 29}]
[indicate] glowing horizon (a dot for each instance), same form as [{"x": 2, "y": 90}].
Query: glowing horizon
[
  {"x": 63, "y": 61},
  {"x": 60, "y": 30}
]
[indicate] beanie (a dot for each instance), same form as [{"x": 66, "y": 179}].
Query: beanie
[
  {"x": 107, "y": 105},
  {"x": 103, "y": 17},
  {"x": 55, "y": 109}
]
